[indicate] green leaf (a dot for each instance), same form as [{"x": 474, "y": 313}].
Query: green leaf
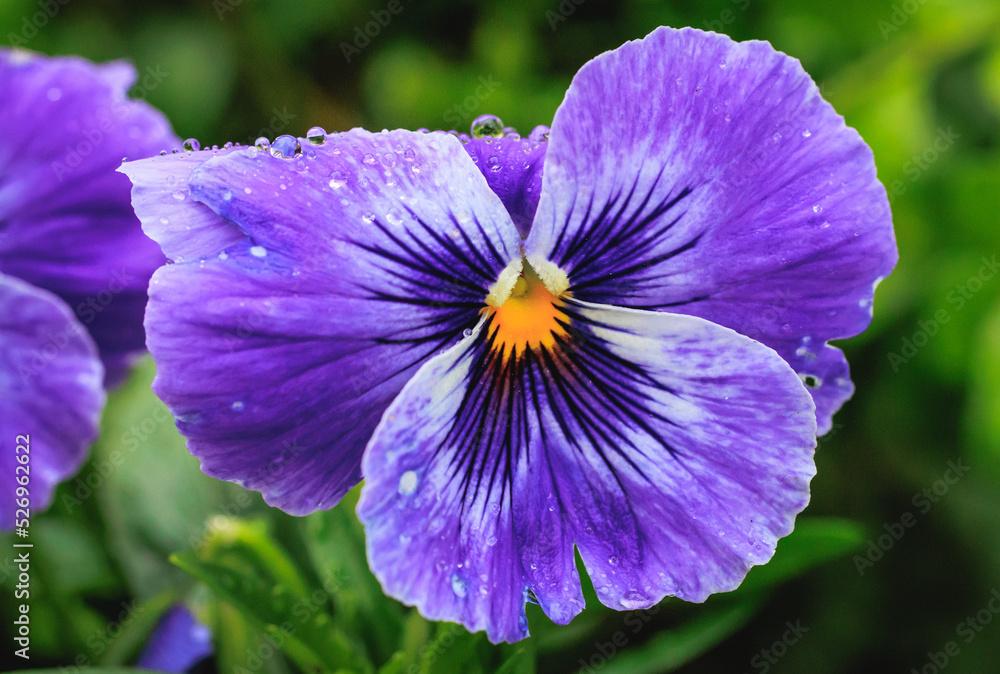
[
  {"x": 813, "y": 542},
  {"x": 244, "y": 567},
  {"x": 671, "y": 649},
  {"x": 336, "y": 544}
]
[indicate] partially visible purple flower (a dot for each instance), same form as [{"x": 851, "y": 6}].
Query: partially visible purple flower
[
  {"x": 74, "y": 264},
  {"x": 178, "y": 644},
  {"x": 609, "y": 338}
]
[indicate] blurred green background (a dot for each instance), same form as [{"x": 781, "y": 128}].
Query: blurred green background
[{"x": 920, "y": 80}]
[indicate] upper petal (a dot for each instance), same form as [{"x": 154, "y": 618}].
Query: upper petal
[
  {"x": 690, "y": 173},
  {"x": 672, "y": 452},
  {"x": 512, "y": 166},
  {"x": 50, "y": 393},
  {"x": 313, "y": 288},
  {"x": 66, "y": 223}
]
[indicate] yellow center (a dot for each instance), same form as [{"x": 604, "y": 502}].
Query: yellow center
[{"x": 529, "y": 318}]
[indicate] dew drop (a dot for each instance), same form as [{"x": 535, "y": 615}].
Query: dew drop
[
  {"x": 191, "y": 145},
  {"x": 612, "y": 560},
  {"x": 286, "y": 147},
  {"x": 408, "y": 483},
  {"x": 459, "y": 586},
  {"x": 258, "y": 251},
  {"x": 164, "y": 221},
  {"x": 633, "y": 599},
  {"x": 817, "y": 208},
  {"x": 368, "y": 158},
  {"x": 776, "y": 137},
  {"x": 237, "y": 406},
  {"x": 247, "y": 190},
  {"x": 467, "y": 332},
  {"x": 262, "y": 144},
  {"x": 178, "y": 195},
  {"x": 316, "y": 135},
  {"x": 491, "y": 541},
  {"x": 337, "y": 180},
  {"x": 806, "y": 133},
  {"x": 494, "y": 164},
  {"x": 388, "y": 160},
  {"x": 487, "y": 126},
  {"x": 539, "y": 134}
]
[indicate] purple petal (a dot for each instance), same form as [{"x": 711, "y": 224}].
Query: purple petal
[
  {"x": 354, "y": 263},
  {"x": 66, "y": 223},
  {"x": 50, "y": 391},
  {"x": 672, "y": 452},
  {"x": 513, "y": 168},
  {"x": 178, "y": 643},
  {"x": 692, "y": 174}
]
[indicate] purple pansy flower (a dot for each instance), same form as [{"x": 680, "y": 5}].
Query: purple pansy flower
[
  {"x": 74, "y": 264},
  {"x": 612, "y": 337},
  {"x": 178, "y": 644}
]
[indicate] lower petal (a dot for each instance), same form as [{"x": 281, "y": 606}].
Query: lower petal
[{"x": 672, "y": 452}]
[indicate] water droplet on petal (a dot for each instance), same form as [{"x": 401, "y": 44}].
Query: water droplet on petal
[
  {"x": 776, "y": 137},
  {"x": 539, "y": 134},
  {"x": 612, "y": 560},
  {"x": 491, "y": 541},
  {"x": 262, "y": 143},
  {"x": 388, "y": 160},
  {"x": 806, "y": 133},
  {"x": 487, "y": 126},
  {"x": 494, "y": 164},
  {"x": 337, "y": 180},
  {"x": 408, "y": 483},
  {"x": 258, "y": 251},
  {"x": 467, "y": 332},
  {"x": 191, "y": 145},
  {"x": 316, "y": 135},
  {"x": 237, "y": 406},
  {"x": 459, "y": 586},
  {"x": 179, "y": 196},
  {"x": 633, "y": 599},
  {"x": 368, "y": 158},
  {"x": 286, "y": 147},
  {"x": 409, "y": 154}
]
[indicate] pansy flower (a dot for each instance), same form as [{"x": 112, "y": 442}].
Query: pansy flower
[
  {"x": 179, "y": 643},
  {"x": 609, "y": 337},
  {"x": 74, "y": 264}
]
